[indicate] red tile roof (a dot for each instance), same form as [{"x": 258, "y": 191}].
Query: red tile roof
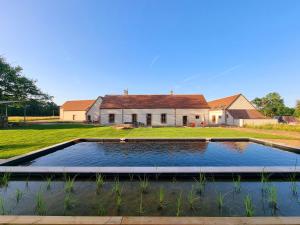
[
  {"x": 77, "y": 105},
  {"x": 246, "y": 114},
  {"x": 223, "y": 103},
  {"x": 154, "y": 102}
]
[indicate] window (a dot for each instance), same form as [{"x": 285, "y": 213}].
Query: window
[
  {"x": 133, "y": 118},
  {"x": 197, "y": 117},
  {"x": 220, "y": 117},
  {"x": 111, "y": 118},
  {"x": 163, "y": 118},
  {"x": 74, "y": 116}
]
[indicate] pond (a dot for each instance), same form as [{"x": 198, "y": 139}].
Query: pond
[
  {"x": 142, "y": 196},
  {"x": 166, "y": 154}
]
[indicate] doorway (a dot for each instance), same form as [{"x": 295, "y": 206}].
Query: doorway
[
  {"x": 213, "y": 119},
  {"x": 149, "y": 119},
  {"x": 184, "y": 120},
  {"x": 134, "y": 118}
]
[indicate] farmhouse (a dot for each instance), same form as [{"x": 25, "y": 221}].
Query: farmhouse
[
  {"x": 164, "y": 110},
  {"x": 154, "y": 110},
  {"x": 81, "y": 110},
  {"x": 236, "y": 110}
]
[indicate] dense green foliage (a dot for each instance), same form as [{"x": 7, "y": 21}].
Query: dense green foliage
[
  {"x": 32, "y": 137},
  {"x": 14, "y": 86},
  {"x": 273, "y": 105},
  {"x": 297, "y": 109}
]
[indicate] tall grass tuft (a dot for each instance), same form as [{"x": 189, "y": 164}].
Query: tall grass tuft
[
  {"x": 116, "y": 188},
  {"x": 99, "y": 182},
  {"x": 248, "y": 206},
  {"x": 237, "y": 184},
  {"x": 2, "y": 208},
  {"x": 272, "y": 191},
  {"x": 118, "y": 202},
  {"x": 201, "y": 183},
  {"x": 141, "y": 207},
  {"x": 131, "y": 177},
  {"x": 144, "y": 185},
  {"x": 220, "y": 200},
  {"x": 161, "y": 198},
  {"x": 69, "y": 202},
  {"x": 179, "y": 204},
  {"x": 19, "y": 195},
  {"x": 40, "y": 206},
  {"x": 293, "y": 181},
  {"x": 69, "y": 185},
  {"x": 101, "y": 210},
  {"x": 264, "y": 179},
  {"x": 4, "y": 179},
  {"x": 48, "y": 183},
  {"x": 192, "y": 198}
]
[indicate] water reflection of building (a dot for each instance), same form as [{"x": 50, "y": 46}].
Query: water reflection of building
[{"x": 236, "y": 146}]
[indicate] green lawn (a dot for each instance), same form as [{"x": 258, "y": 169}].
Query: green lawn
[{"x": 32, "y": 137}]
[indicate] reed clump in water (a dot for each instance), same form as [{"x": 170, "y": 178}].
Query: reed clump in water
[
  {"x": 99, "y": 182},
  {"x": 4, "y": 179},
  {"x": 248, "y": 206},
  {"x": 192, "y": 198},
  {"x": 19, "y": 195},
  {"x": 2, "y": 208},
  {"x": 161, "y": 195},
  {"x": 144, "y": 185},
  {"x": 201, "y": 183},
  {"x": 237, "y": 184},
  {"x": 179, "y": 204},
  {"x": 69, "y": 185},
  {"x": 40, "y": 206}
]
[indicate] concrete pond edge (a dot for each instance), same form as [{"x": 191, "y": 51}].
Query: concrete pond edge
[{"x": 118, "y": 220}]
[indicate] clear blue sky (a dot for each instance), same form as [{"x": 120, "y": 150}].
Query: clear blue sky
[{"x": 83, "y": 49}]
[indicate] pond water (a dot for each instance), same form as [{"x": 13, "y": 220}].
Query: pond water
[
  {"x": 37, "y": 196},
  {"x": 167, "y": 154}
]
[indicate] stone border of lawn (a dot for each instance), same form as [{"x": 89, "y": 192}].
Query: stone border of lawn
[{"x": 118, "y": 220}]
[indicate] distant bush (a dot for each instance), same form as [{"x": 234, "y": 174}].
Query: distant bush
[{"x": 286, "y": 127}]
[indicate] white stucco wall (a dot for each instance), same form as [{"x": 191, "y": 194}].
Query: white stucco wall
[
  {"x": 68, "y": 115},
  {"x": 220, "y": 118},
  {"x": 94, "y": 111},
  {"x": 174, "y": 117},
  {"x": 241, "y": 103},
  {"x": 256, "y": 122}
]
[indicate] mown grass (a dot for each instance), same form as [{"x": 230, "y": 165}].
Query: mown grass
[
  {"x": 284, "y": 127},
  {"x": 33, "y": 118},
  {"x": 16, "y": 141}
]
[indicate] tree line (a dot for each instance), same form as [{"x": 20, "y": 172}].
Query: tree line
[
  {"x": 15, "y": 86},
  {"x": 273, "y": 105}
]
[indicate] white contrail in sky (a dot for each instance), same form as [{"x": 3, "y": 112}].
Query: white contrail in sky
[
  {"x": 154, "y": 60},
  {"x": 206, "y": 78}
]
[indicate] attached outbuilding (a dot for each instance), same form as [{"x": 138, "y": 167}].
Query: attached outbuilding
[
  {"x": 236, "y": 110},
  {"x": 81, "y": 110},
  {"x": 154, "y": 110}
]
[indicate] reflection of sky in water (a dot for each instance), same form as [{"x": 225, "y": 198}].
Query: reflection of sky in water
[{"x": 168, "y": 154}]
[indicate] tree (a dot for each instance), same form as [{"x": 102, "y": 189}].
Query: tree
[
  {"x": 271, "y": 105},
  {"x": 14, "y": 86},
  {"x": 297, "y": 109}
]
